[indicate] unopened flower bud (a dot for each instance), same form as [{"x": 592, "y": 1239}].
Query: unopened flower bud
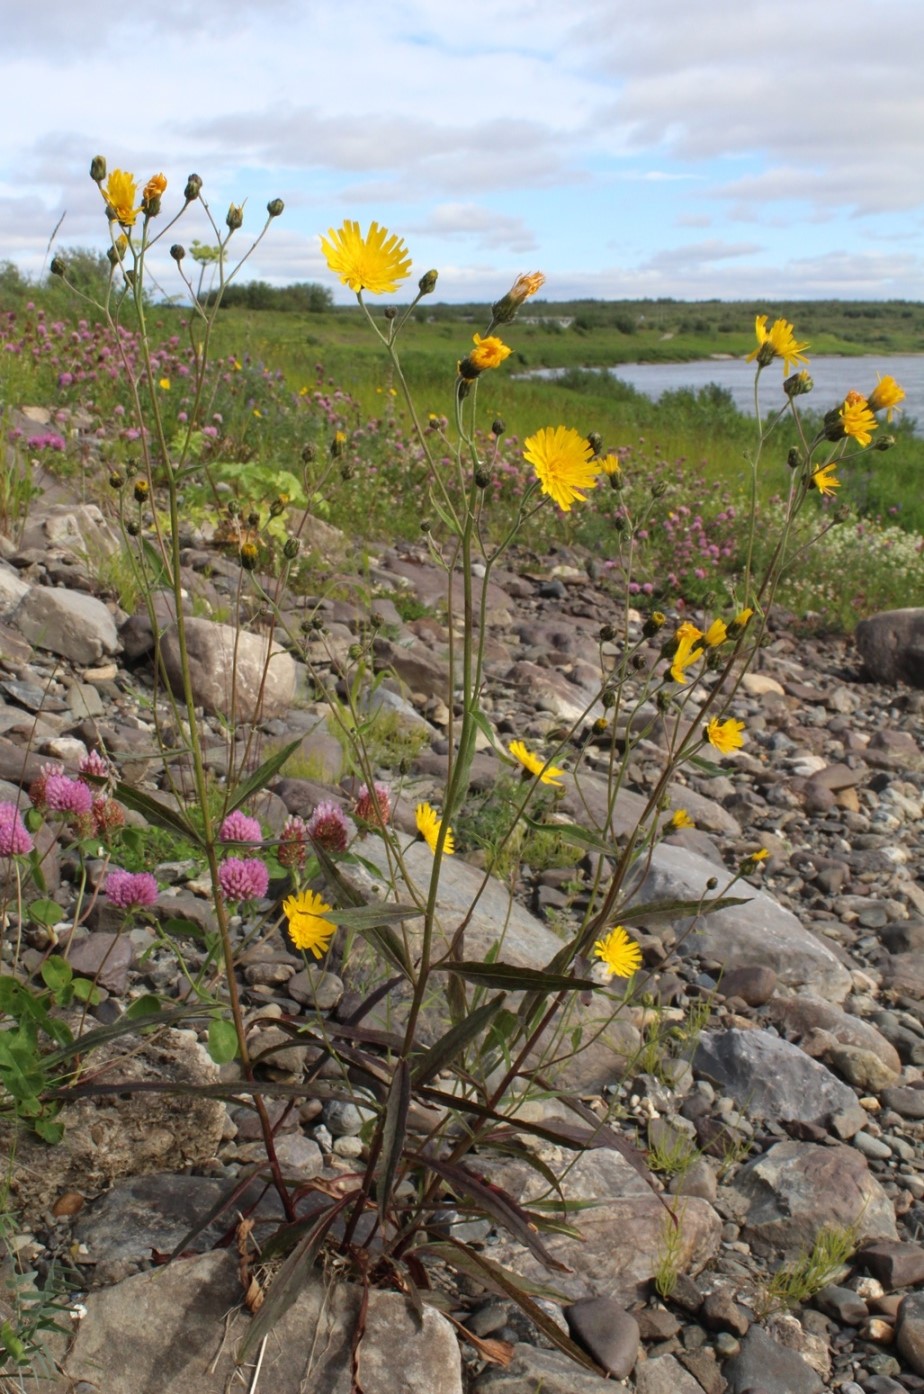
[
  {"x": 233, "y": 509},
  {"x": 427, "y": 283},
  {"x": 794, "y": 458},
  {"x": 390, "y": 312},
  {"x": 482, "y": 477},
  {"x": 659, "y": 489},
  {"x": 608, "y": 700},
  {"x": 347, "y": 470},
  {"x": 798, "y": 384},
  {"x": 116, "y": 480},
  {"x": 425, "y": 525},
  {"x": 308, "y": 453},
  {"x": 463, "y": 387},
  {"x": 277, "y": 508},
  {"x": 655, "y": 621},
  {"x": 498, "y": 426},
  {"x": 607, "y": 634},
  {"x": 249, "y": 555},
  {"x": 712, "y": 883},
  {"x": 151, "y": 206},
  {"x": 595, "y": 441},
  {"x": 58, "y": 266},
  {"x": 355, "y": 652},
  {"x": 883, "y": 442},
  {"x": 98, "y": 168},
  {"x": 178, "y": 251},
  {"x": 132, "y": 528},
  {"x": 275, "y": 207},
  {"x": 141, "y": 490},
  {"x": 253, "y": 520},
  {"x": 235, "y": 216},
  {"x": 193, "y": 188},
  {"x": 291, "y": 550}
]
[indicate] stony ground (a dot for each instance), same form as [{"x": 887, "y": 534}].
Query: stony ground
[{"x": 795, "y": 1106}]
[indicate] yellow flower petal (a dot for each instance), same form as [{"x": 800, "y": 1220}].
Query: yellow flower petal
[
  {"x": 308, "y": 928},
  {"x": 562, "y": 460},
  {"x": 428, "y": 825},
  {"x": 545, "y": 773},
  {"x": 378, "y": 262},
  {"x": 620, "y": 955}
]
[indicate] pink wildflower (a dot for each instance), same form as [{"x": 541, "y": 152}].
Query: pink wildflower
[
  {"x": 293, "y": 842},
  {"x": 328, "y": 828},
  {"x": 66, "y": 795},
  {"x": 238, "y": 827},
  {"x": 95, "y": 765},
  {"x": 14, "y": 839},
  {"x": 108, "y": 815},
  {"x": 131, "y": 890},
  {"x": 243, "y": 879},
  {"x": 373, "y": 805}
]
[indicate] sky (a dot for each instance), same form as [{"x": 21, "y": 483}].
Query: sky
[{"x": 736, "y": 149}]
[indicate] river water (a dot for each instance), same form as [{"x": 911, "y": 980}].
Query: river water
[{"x": 834, "y": 377}]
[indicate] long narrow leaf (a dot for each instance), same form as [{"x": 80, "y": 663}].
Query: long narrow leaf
[
  {"x": 445, "y": 1050},
  {"x": 507, "y": 1284},
  {"x": 260, "y": 778},
  {"x": 161, "y": 814},
  {"x": 394, "y": 1131},
  {"x": 509, "y": 978},
  {"x": 501, "y": 1207}
]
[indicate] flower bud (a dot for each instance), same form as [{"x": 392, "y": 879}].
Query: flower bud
[
  {"x": 193, "y": 188},
  {"x": 426, "y": 525},
  {"x": 498, "y": 426},
  {"x": 275, "y": 207},
  {"x": 655, "y": 621},
  {"x": 141, "y": 490},
  {"x": 659, "y": 489},
  {"x": 308, "y": 453},
  {"x": 291, "y": 550},
  {"x": 132, "y": 528},
  {"x": 178, "y": 252},
  {"x": 116, "y": 480},
  {"x": 595, "y": 441},
  {"x": 98, "y": 168},
  {"x": 235, "y": 216},
  {"x": 427, "y": 283},
  {"x": 277, "y": 508},
  {"x": 390, "y": 312},
  {"x": 608, "y": 700},
  {"x": 794, "y": 458},
  {"x": 834, "y": 425},
  {"x": 253, "y": 520},
  {"x": 58, "y": 266},
  {"x": 607, "y": 634},
  {"x": 798, "y": 384},
  {"x": 712, "y": 883},
  {"x": 249, "y": 555},
  {"x": 883, "y": 442},
  {"x": 482, "y": 477}
]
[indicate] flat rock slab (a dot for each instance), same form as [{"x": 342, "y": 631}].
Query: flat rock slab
[
  {"x": 764, "y": 1364},
  {"x": 773, "y": 1079},
  {"x": 551, "y": 1371},
  {"x": 70, "y": 623},
  {"x": 169, "y": 1332},
  {"x": 623, "y": 1229},
  {"x": 233, "y": 674},
  {"x": 758, "y": 932},
  {"x": 796, "y": 1189}
]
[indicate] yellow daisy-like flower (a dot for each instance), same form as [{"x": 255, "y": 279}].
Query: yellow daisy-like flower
[
  {"x": 164, "y": 384},
  {"x": 428, "y": 825},
  {"x": 545, "y": 773},
  {"x": 620, "y": 955},
  {"x": 120, "y": 194},
  {"x": 742, "y": 618},
  {"x": 562, "y": 459},
  {"x": 154, "y": 188},
  {"x": 856, "y": 418},
  {"x": 716, "y": 634},
  {"x": 689, "y": 649},
  {"x": 725, "y": 736},
  {"x": 886, "y": 396},
  {"x": 680, "y": 819},
  {"x": 488, "y": 353},
  {"x": 825, "y": 481},
  {"x": 378, "y": 262},
  {"x": 609, "y": 465},
  {"x": 778, "y": 341},
  {"x": 308, "y": 927}
]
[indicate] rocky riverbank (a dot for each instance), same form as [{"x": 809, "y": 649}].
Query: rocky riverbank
[{"x": 795, "y": 1111}]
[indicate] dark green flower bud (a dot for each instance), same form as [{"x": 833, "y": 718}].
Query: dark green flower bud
[
  {"x": 253, "y": 520},
  {"x": 883, "y": 442},
  {"x": 235, "y": 216},
  {"x": 655, "y": 621},
  {"x": 595, "y": 441},
  {"x": 58, "y": 266},
  {"x": 291, "y": 550},
  {"x": 277, "y": 508},
  {"x": 98, "y": 169},
  {"x": 116, "y": 480},
  {"x": 193, "y": 188},
  {"x": 355, "y": 651},
  {"x": 390, "y": 312},
  {"x": 798, "y": 384},
  {"x": 607, "y": 634},
  {"x": 132, "y": 528},
  {"x": 608, "y": 700},
  {"x": 712, "y": 883},
  {"x": 482, "y": 477},
  {"x": 178, "y": 252},
  {"x": 425, "y": 525},
  {"x": 427, "y": 283},
  {"x": 347, "y": 470},
  {"x": 659, "y": 489},
  {"x": 498, "y": 426},
  {"x": 308, "y": 453},
  {"x": 275, "y": 207},
  {"x": 794, "y": 458}
]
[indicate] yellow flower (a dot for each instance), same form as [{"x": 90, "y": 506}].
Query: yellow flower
[
  {"x": 562, "y": 460},
  {"x": 428, "y": 825},
  {"x": 164, "y": 384},
  {"x": 120, "y": 193},
  {"x": 309, "y": 929},
  {"x": 725, "y": 735},
  {"x": 523, "y": 287},
  {"x": 824, "y": 480},
  {"x": 377, "y": 262},
  {"x": 716, "y": 634},
  {"x": 681, "y": 819},
  {"x": 856, "y": 418},
  {"x": 621, "y": 955},
  {"x": 760, "y": 856},
  {"x": 742, "y": 618},
  {"x": 488, "y": 353},
  {"x": 689, "y": 649},
  {"x": 776, "y": 342},
  {"x": 609, "y": 465},
  {"x": 545, "y": 773},
  {"x": 886, "y": 396},
  {"x": 154, "y": 187}
]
